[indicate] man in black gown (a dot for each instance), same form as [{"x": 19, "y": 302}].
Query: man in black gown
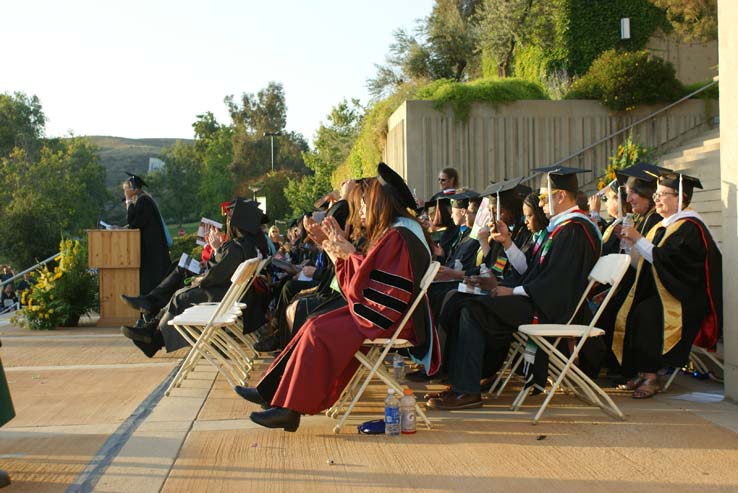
[{"x": 548, "y": 292}]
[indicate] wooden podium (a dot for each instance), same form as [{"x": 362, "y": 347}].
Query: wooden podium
[{"x": 116, "y": 253}]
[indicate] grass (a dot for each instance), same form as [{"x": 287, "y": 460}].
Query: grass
[{"x": 188, "y": 227}]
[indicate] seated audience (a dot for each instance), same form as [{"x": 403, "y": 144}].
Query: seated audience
[
  {"x": 245, "y": 241},
  {"x": 548, "y": 292}
]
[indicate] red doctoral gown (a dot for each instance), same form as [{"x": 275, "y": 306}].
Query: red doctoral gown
[{"x": 319, "y": 361}]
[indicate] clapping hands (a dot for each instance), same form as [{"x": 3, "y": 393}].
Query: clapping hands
[{"x": 335, "y": 244}]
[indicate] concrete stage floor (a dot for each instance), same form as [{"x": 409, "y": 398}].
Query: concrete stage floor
[{"x": 90, "y": 417}]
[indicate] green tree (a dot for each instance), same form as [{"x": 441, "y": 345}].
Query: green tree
[
  {"x": 692, "y": 20},
  {"x": 22, "y": 122},
  {"x": 60, "y": 194},
  {"x": 333, "y": 143},
  {"x": 178, "y": 184},
  {"x": 253, "y": 116},
  {"x": 443, "y": 46},
  {"x": 504, "y": 25},
  {"x": 216, "y": 182}
]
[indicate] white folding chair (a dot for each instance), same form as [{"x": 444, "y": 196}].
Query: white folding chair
[
  {"x": 608, "y": 270},
  {"x": 215, "y": 333},
  {"x": 371, "y": 362},
  {"x": 514, "y": 358}
]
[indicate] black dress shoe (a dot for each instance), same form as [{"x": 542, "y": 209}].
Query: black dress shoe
[
  {"x": 251, "y": 395},
  {"x": 138, "y": 334},
  {"x": 139, "y": 303},
  {"x": 455, "y": 400},
  {"x": 4, "y": 479},
  {"x": 277, "y": 417},
  {"x": 266, "y": 345}
]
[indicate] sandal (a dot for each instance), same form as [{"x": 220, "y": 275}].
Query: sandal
[
  {"x": 632, "y": 384},
  {"x": 648, "y": 388}
]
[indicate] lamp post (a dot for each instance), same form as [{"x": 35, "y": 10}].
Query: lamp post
[
  {"x": 254, "y": 190},
  {"x": 272, "y": 135}
]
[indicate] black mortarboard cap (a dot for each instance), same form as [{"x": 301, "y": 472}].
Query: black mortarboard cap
[
  {"x": 393, "y": 184},
  {"x": 340, "y": 212},
  {"x": 247, "y": 216},
  {"x": 671, "y": 180},
  {"x": 292, "y": 223},
  {"x": 504, "y": 188},
  {"x": 135, "y": 180},
  {"x": 461, "y": 200},
  {"x": 641, "y": 171},
  {"x": 563, "y": 178},
  {"x": 683, "y": 184},
  {"x": 440, "y": 198}
]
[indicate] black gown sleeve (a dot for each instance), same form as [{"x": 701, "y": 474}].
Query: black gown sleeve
[
  {"x": 680, "y": 262},
  {"x": 142, "y": 213},
  {"x": 556, "y": 289}
]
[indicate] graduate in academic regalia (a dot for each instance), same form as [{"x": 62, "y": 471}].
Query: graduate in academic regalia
[
  {"x": 245, "y": 241},
  {"x": 615, "y": 198},
  {"x": 548, "y": 292},
  {"x": 443, "y": 230},
  {"x": 676, "y": 299},
  {"x": 7, "y": 412},
  {"x": 143, "y": 214},
  {"x": 639, "y": 181},
  {"x": 506, "y": 232},
  {"x": 464, "y": 206},
  {"x": 379, "y": 285}
]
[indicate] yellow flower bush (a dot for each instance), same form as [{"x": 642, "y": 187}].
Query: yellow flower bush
[
  {"x": 628, "y": 153},
  {"x": 61, "y": 293}
]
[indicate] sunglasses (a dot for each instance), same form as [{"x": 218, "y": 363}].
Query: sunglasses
[{"x": 544, "y": 196}]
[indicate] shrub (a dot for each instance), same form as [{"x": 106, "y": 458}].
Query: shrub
[
  {"x": 185, "y": 244},
  {"x": 60, "y": 296},
  {"x": 711, "y": 93},
  {"x": 627, "y": 154},
  {"x": 461, "y": 95},
  {"x": 623, "y": 80}
]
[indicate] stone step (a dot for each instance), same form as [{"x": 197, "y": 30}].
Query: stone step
[{"x": 677, "y": 161}]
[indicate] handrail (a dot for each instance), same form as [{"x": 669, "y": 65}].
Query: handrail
[
  {"x": 614, "y": 134},
  {"x": 32, "y": 268}
]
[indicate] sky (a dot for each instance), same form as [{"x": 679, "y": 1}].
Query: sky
[{"x": 147, "y": 68}]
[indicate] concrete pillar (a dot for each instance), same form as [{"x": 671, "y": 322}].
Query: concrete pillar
[{"x": 728, "y": 56}]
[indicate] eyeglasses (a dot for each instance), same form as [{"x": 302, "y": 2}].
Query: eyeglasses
[
  {"x": 442, "y": 180},
  {"x": 544, "y": 196},
  {"x": 659, "y": 195}
]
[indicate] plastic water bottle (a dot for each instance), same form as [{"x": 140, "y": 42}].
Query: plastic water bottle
[
  {"x": 625, "y": 245},
  {"x": 407, "y": 412},
  {"x": 398, "y": 367},
  {"x": 458, "y": 265},
  {"x": 391, "y": 414}
]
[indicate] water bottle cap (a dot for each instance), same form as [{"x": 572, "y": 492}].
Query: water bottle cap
[
  {"x": 408, "y": 391},
  {"x": 390, "y": 391}
]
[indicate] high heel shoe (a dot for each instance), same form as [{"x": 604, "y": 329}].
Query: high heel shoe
[{"x": 277, "y": 417}]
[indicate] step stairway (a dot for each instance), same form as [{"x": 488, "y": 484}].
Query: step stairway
[{"x": 701, "y": 158}]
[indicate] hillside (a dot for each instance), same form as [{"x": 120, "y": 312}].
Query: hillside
[{"x": 119, "y": 154}]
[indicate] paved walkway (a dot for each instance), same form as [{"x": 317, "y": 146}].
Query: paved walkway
[{"x": 92, "y": 417}]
